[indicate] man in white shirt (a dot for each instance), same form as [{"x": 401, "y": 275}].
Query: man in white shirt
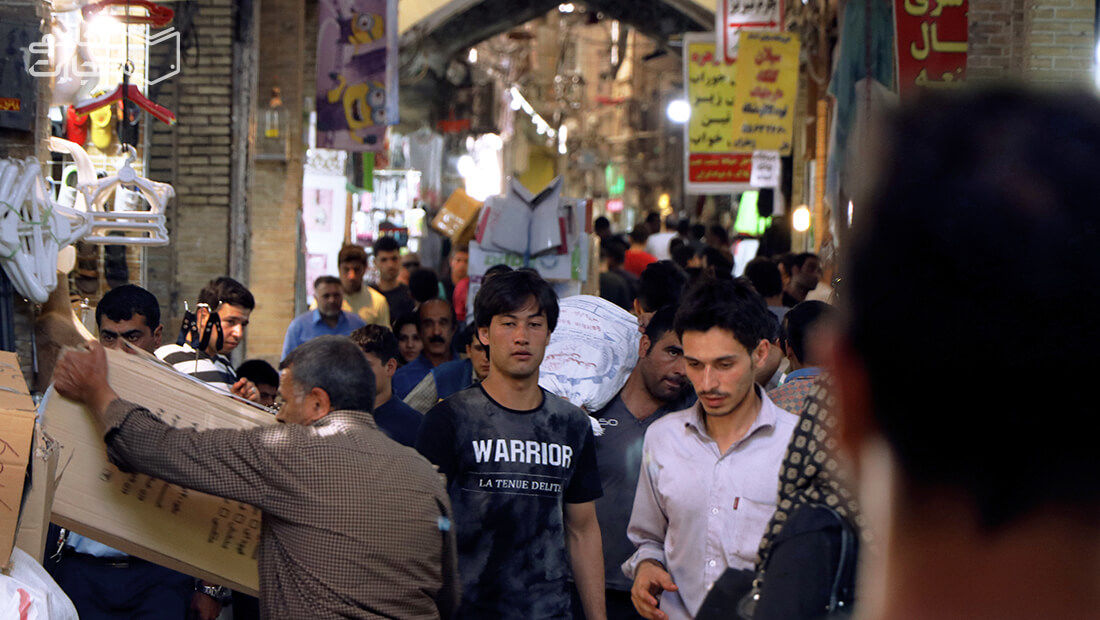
[{"x": 708, "y": 482}]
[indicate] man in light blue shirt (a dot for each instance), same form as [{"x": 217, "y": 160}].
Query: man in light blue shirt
[
  {"x": 707, "y": 487},
  {"x": 327, "y": 319}
]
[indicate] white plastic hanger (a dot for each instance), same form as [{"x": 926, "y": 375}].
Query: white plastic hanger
[
  {"x": 93, "y": 194},
  {"x": 33, "y": 228}
]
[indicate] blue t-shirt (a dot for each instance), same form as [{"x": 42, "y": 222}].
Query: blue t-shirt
[
  {"x": 311, "y": 324},
  {"x": 398, "y": 420},
  {"x": 406, "y": 377},
  {"x": 508, "y": 474}
]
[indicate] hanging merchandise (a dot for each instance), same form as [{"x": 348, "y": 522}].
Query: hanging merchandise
[
  {"x": 129, "y": 126},
  {"x": 74, "y": 71},
  {"x": 103, "y": 127},
  {"x": 76, "y": 126},
  {"x": 33, "y": 228},
  {"x": 132, "y": 93},
  {"x": 356, "y": 73},
  {"x": 156, "y": 15},
  {"x": 93, "y": 195}
]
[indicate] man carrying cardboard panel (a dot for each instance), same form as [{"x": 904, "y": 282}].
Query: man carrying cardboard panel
[{"x": 354, "y": 524}]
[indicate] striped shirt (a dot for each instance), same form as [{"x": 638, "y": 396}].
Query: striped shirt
[{"x": 215, "y": 371}]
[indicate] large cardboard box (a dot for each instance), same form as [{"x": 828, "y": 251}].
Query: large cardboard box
[
  {"x": 197, "y": 534},
  {"x": 34, "y": 521},
  {"x": 17, "y": 415}
]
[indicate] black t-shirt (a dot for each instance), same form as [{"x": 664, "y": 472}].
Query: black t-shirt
[
  {"x": 398, "y": 420},
  {"x": 399, "y": 299},
  {"x": 508, "y": 474}
]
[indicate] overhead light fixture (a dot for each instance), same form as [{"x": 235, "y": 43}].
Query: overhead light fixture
[
  {"x": 568, "y": 7},
  {"x": 800, "y": 219},
  {"x": 466, "y": 166},
  {"x": 563, "y": 138},
  {"x": 472, "y": 56},
  {"x": 679, "y": 111}
]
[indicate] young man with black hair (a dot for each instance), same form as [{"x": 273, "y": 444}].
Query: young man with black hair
[
  {"x": 264, "y": 376},
  {"x": 521, "y": 468},
  {"x": 805, "y": 272},
  {"x": 707, "y": 486},
  {"x": 766, "y": 278},
  {"x": 370, "y": 305},
  {"x": 233, "y": 304},
  {"x": 988, "y": 496},
  {"x": 103, "y": 582},
  {"x": 616, "y": 285},
  {"x": 453, "y": 376},
  {"x": 436, "y": 322},
  {"x": 662, "y": 283},
  {"x": 387, "y": 260},
  {"x": 804, "y": 349},
  {"x": 602, "y": 227},
  {"x": 394, "y": 417},
  {"x": 656, "y": 386},
  {"x": 327, "y": 319}
]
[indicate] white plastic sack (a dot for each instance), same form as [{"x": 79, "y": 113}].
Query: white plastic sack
[
  {"x": 31, "y": 594},
  {"x": 591, "y": 353}
]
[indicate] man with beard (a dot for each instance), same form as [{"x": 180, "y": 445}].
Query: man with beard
[
  {"x": 328, "y": 319},
  {"x": 436, "y": 319},
  {"x": 656, "y": 386},
  {"x": 707, "y": 486}
]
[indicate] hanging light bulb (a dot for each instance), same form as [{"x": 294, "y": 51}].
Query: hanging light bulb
[{"x": 800, "y": 220}]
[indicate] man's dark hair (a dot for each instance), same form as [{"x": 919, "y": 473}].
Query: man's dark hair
[
  {"x": 799, "y": 260},
  {"x": 226, "y": 290},
  {"x": 601, "y": 223},
  {"x": 378, "y": 340},
  {"x": 698, "y": 231},
  {"x": 1002, "y": 226},
  {"x": 352, "y": 253},
  {"x": 494, "y": 270},
  {"x": 462, "y": 247},
  {"x": 615, "y": 251},
  {"x": 385, "y": 243},
  {"x": 464, "y": 337},
  {"x": 420, "y": 309},
  {"x": 512, "y": 291},
  {"x": 662, "y": 283},
  {"x": 721, "y": 234},
  {"x": 717, "y": 260},
  {"x": 727, "y": 305},
  {"x": 683, "y": 253},
  {"x": 800, "y": 320},
  {"x": 123, "y": 302},
  {"x": 336, "y": 365},
  {"x": 765, "y": 277},
  {"x": 660, "y": 323},
  {"x": 639, "y": 233},
  {"x": 671, "y": 222},
  {"x": 683, "y": 227},
  {"x": 325, "y": 280},
  {"x": 653, "y": 218},
  {"x": 259, "y": 372},
  {"x": 423, "y": 285}
]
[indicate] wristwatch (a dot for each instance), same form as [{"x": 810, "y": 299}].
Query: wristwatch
[{"x": 218, "y": 593}]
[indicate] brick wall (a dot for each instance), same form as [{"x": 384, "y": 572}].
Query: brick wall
[
  {"x": 194, "y": 157},
  {"x": 1042, "y": 41}
]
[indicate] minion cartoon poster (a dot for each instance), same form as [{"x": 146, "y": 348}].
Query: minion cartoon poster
[{"x": 356, "y": 73}]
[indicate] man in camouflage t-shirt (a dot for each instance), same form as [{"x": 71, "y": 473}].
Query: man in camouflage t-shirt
[{"x": 521, "y": 469}]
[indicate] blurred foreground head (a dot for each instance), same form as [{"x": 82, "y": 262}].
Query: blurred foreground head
[{"x": 973, "y": 281}]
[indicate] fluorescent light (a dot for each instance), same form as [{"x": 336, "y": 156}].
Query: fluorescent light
[
  {"x": 800, "y": 220},
  {"x": 679, "y": 111}
]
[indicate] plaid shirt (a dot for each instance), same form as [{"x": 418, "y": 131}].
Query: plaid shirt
[
  {"x": 354, "y": 524},
  {"x": 795, "y": 389}
]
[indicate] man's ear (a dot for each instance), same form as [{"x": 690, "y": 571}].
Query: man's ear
[
  {"x": 157, "y": 334},
  {"x": 483, "y": 336},
  {"x": 855, "y": 424},
  {"x": 643, "y": 346},
  {"x": 638, "y": 308},
  {"x": 317, "y": 403},
  {"x": 391, "y": 367},
  {"x": 760, "y": 353}
]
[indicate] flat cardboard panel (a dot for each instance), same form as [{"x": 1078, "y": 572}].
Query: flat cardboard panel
[
  {"x": 194, "y": 533},
  {"x": 34, "y": 521},
  {"x": 16, "y": 429}
]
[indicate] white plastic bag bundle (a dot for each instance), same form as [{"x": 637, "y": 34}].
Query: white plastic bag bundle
[
  {"x": 591, "y": 353},
  {"x": 30, "y": 594}
]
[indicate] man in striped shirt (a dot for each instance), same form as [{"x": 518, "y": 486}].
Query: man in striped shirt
[{"x": 233, "y": 304}]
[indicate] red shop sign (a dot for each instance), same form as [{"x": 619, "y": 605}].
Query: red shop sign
[{"x": 931, "y": 40}]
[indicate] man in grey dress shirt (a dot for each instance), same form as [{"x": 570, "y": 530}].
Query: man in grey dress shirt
[
  {"x": 708, "y": 481},
  {"x": 354, "y": 524}
]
